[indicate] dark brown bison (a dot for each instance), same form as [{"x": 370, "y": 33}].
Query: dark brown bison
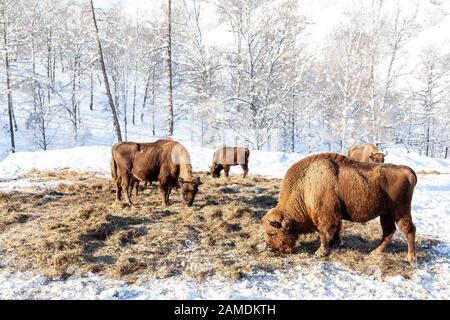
[
  {"x": 165, "y": 161},
  {"x": 321, "y": 190},
  {"x": 226, "y": 157},
  {"x": 367, "y": 153}
]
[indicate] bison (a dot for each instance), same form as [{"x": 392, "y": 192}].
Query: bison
[
  {"x": 226, "y": 157},
  {"x": 367, "y": 153},
  {"x": 165, "y": 161},
  {"x": 320, "y": 191}
]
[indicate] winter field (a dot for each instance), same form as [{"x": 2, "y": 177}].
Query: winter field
[
  {"x": 63, "y": 237},
  {"x": 298, "y": 77}
]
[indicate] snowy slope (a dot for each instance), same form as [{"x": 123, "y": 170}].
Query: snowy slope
[{"x": 96, "y": 158}]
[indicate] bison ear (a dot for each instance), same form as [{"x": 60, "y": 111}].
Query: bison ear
[
  {"x": 275, "y": 224},
  {"x": 197, "y": 181}
]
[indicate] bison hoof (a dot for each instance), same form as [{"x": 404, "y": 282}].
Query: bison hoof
[
  {"x": 337, "y": 244},
  {"x": 321, "y": 252},
  {"x": 411, "y": 259},
  {"x": 376, "y": 251}
]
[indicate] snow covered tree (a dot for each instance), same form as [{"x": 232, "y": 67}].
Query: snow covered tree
[
  {"x": 432, "y": 92},
  {"x": 105, "y": 76},
  {"x": 256, "y": 65},
  {"x": 12, "y": 34},
  {"x": 348, "y": 74}
]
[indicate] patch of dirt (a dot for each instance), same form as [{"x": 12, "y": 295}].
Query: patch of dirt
[{"x": 80, "y": 227}]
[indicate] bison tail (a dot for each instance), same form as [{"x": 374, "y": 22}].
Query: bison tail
[
  {"x": 415, "y": 177},
  {"x": 113, "y": 167}
]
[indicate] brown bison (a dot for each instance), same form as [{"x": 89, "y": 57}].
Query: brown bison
[
  {"x": 321, "y": 190},
  {"x": 367, "y": 153},
  {"x": 165, "y": 161},
  {"x": 226, "y": 157}
]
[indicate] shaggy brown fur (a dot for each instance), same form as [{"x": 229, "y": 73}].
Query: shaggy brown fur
[
  {"x": 367, "y": 153},
  {"x": 165, "y": 161},
  {"x": 226, "y": 157},
  {"x": 320, "y": 191}
]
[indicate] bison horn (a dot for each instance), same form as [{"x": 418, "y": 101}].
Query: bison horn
[
  {"x": 385, "y": 153},
  {"x": 275, "y": 224}
]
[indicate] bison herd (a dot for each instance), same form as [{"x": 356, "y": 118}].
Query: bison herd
[{"x": 317, "y": 192}]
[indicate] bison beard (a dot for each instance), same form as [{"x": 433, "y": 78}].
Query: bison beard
[{"x": 320, "y": 191}]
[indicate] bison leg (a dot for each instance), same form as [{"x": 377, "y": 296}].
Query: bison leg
[
  {"x": 245, "y": 168},
  {"x": 126, "y": 188},
  {"x": 136, "y": 185},
  {"x": 388, "y": 225},
  {"x": 408, "y": 229},
  {"x": 337, "y": 241},
  {"x": 165, "y": 193},
  {"x": 326, "y": 234},
  {"x": 118, "y": 189},
  {"x": 226, "y": 169}
]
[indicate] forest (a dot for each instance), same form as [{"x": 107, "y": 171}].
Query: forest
[{"x": 248, "y": 72}]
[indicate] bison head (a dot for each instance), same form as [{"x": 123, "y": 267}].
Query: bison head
[
  {"x": 216, "y": 169},
  {"x": 377, "y": 157},
  {"x": 279, "y": 231},
  {"x": 189, "y": 189}
]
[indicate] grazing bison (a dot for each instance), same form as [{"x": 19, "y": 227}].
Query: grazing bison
[
  {"x": 165, "y": 161},
  {"x": 226, "y": 157},
  {"x": 367, "y": 153},
  {"x": 320, "y": 191}
]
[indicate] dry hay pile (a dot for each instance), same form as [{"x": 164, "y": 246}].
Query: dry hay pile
[{"x": 78, "y": 227}]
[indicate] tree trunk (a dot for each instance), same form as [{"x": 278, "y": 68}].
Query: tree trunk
[
  {"x": 91, "y": 100},
  {"x": 169, "y": 69},
  {"x": 74, "y": 103},
  {"x": 292, "y": 125},
  {"x": 133, "y": 121},
  {"x": 8, "y": 83},
  {"x": 49, "y": 64},
  {"x": 105, "y": 76},
  {"x": 153, "y": 101},
  {"x": 145, "y": 97}
]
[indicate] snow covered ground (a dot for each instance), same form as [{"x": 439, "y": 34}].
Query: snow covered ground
[
  {"x": 274, "y": 164},
  {"x": 431, "y": 212},
  {"x": 326, "y": 281}
]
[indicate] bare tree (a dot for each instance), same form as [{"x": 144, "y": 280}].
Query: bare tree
[
  {"x": 105, "y": 76},
  {"x": 431, "y": 94},
  {"x": 348, "y": 75},
  {"x": 9, "y": 24},
  {"x": 169, "y": 69}
]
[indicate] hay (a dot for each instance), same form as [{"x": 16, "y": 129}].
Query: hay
[{"x": 78, "y": 227}]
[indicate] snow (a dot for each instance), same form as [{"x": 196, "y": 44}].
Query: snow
[
  {"x": 431, "y": 204},
  {"x": 431, "y": 209},
  {"x": 274, "y": 164}
]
